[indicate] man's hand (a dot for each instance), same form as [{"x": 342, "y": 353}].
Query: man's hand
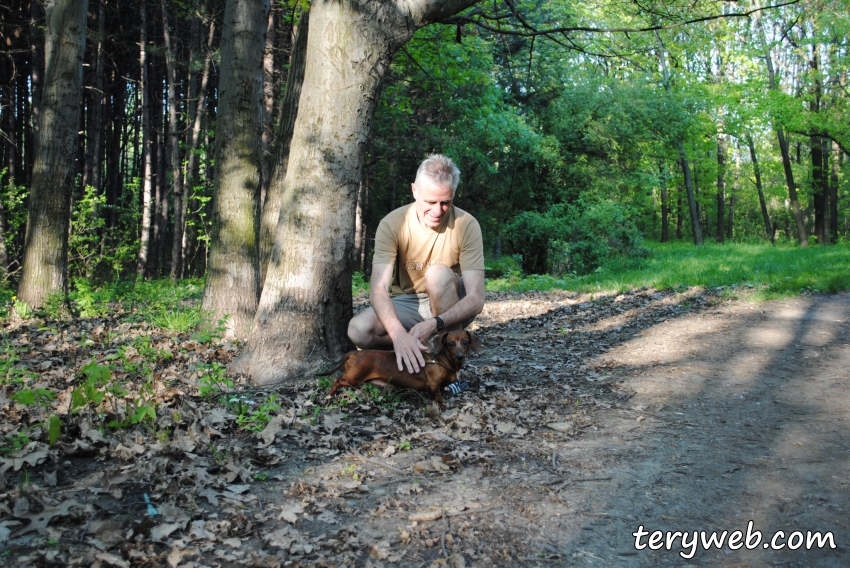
[
  {"x": 424, "y": 330},
  {"x": 408, "y": 351}
]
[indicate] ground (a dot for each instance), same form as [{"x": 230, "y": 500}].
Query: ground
[{"x": 588, "y": 418}]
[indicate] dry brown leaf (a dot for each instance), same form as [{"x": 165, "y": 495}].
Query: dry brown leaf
[{"x": 426, "y": 516}]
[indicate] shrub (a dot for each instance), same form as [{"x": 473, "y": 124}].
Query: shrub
[{"x": 571, "y": 239}]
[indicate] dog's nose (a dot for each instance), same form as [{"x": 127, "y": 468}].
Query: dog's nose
[{"x": 460, "y": 355}]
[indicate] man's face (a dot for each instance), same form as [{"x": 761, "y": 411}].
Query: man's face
[{"x": 432, "y": 202}]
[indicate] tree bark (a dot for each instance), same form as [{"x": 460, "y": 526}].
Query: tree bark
[
  {"x": 233, "y": 286},
  {"x": 174, "y": 149},
  {"x": 306, "y": 300},
  {"x": 147, "y": 148},
  {"x": 286, "y": 124},
  {"x": 45, "y": 266},
  {"x": 820, "y": 190}
]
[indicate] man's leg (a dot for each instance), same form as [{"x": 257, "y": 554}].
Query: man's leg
[
  {"x": 367, "y": 332},
  {"x": 443, "y": 287}
]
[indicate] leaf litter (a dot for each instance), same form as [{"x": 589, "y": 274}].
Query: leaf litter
[{"x": 365, "y": 479}]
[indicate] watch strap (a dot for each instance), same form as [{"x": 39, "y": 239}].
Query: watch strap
[{"x": 440, "y": 323}]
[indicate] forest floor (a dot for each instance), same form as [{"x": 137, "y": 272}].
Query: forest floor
[{"x": 588, "y": 417}]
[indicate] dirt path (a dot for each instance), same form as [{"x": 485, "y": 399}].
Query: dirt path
[{"x": 588, "y": 418}]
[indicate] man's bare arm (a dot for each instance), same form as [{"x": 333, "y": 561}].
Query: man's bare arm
[
  {"x": 470, "y": 305},
  {"x": 408, "y": 349}
]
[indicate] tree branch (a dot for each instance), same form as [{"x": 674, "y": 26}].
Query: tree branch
[{"x": 530, "y": 31}]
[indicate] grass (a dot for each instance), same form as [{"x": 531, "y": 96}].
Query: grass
[{"x": 773, "y": 271}]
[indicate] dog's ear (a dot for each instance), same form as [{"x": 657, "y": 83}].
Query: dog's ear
[
  {"x": 474, "y": 342},
  {"x": 439, "y": 342}
]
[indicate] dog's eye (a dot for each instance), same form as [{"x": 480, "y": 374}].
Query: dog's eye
[
  {"x": 451, "y": 343},
  {"x": 464, "y": 342}
]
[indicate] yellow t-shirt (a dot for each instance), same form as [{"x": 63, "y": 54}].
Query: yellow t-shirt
[{"x": 402, "y": 241}]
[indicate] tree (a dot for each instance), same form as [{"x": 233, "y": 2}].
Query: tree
[
  {"x": 306, "y": 299},
  {"x": 233, "y": 285},
  {"x": 45, "y": 266}
]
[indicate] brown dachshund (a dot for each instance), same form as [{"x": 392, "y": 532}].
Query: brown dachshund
[{"x": 380, "y": 367}]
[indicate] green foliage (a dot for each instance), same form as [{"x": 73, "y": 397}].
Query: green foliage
[
  {"x": 574, "y": 239},
  {"x": 254, "y": 419},
  {"x": 85, "y": 240},
  {"x": 769, "y": 272},
  {"x": 213, "y": 379},
  {"x": 503, "y": 267},
  {"x": 178, "y": 320},
  {"x": 359, "y": 284},
  {"x": 10, "y": 373}
]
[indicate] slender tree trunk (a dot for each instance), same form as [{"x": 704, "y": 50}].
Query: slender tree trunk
[
  {"x": 691, "y": 194},
  {"x": 820, "y": 190},
  {"x": 768, "y": 227},
  {"x": 665, "y": 205},
  {"x": 280, "y": 152},
  {"x": 833, "y": 192},
  {"x": 730, "y": 225},
  {"x": 45, "y": 267},
  {"x": 680, "y": 212},
  {"x": 174, "y": 149},
  {"x": 268, "y": 105},
  {"x": 196, "y": 116},
  {"x": 306, "y": 299},
  {"x": 233, "y": 286},
  {"x": 683, "y": 157},
  {"x": 7, "y": 125},
  {"x": 722, "y": 147},
  {"x": 786, "y": 157},
  {"x": 147, "y": 147},
  {"x": 36, "y": 39}
]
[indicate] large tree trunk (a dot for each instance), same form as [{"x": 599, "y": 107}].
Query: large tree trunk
[
  {"x": 233, "y": 286},
  {"x": 45, "y": 267},
  {"x": 286, "y": 124},
  {"x": 306, "y": 300},
  {"x": 768, "y": 227},
  {"x": 147, "y": 148}
]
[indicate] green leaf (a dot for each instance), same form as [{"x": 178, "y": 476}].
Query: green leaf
[{"x": 54, "y": 429}]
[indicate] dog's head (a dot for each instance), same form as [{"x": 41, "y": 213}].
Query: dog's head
[{"x": 456, "y": 344}]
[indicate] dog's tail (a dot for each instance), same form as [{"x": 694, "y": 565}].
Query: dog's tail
[{"x": 337, "y": 366}]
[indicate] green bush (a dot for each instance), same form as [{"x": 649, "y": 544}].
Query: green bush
[
  {"x": 503, "y": 266},
  {"x": 570, "y": 239}
]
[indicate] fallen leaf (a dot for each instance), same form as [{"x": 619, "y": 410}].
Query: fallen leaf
[
  {"x": 160, "y": 532},
  {"x": 290, "y": 512},
  {"x": 112, "y": 559},
  {"x": 560, "y": 426},
  {"x": 176, "y": 555},
  {"x": 426, "y": 516}
]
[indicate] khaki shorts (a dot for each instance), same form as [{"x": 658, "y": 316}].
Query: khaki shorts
[{"x": 414, "y": 308}]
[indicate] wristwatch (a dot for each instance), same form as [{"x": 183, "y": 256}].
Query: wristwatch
[{"x": 440, "y": 324}]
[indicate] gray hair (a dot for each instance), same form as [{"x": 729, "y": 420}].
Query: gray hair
[{"x": 439, "y": 169}]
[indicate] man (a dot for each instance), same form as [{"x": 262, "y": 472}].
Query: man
[{"x": 432, "y": 255}]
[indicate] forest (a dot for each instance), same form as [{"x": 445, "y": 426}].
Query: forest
[
  {"x": 189, "y": 195},
  {"x": 150, "y": 140}
]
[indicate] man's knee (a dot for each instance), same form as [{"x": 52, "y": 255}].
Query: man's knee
[
  {"x": 357, "y": 332},
  {"x": 440, "y": 279}
]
